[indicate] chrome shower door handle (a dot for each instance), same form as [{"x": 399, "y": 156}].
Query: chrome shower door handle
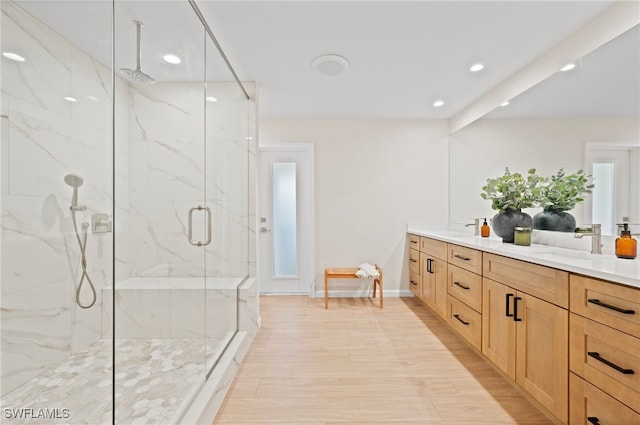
[{"x": 207, "y": 210}]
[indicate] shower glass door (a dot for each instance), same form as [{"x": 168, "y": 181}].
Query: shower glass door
[
  {"x": 125, "y": 174},
  {"x": 163, "y": 220}
]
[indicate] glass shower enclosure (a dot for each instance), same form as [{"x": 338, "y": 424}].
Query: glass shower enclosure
[{"x": 126, "y": 234}]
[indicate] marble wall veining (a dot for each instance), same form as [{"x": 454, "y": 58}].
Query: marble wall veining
[
  {"x": 165, "y": 145},
  {"x": 179, "y": 161},
  {"x": 45, "y": 137}
]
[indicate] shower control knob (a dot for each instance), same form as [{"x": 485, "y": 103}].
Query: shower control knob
[{"x": 100, "y": 223}]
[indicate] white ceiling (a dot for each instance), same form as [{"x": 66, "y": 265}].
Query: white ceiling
[{"x": 403, "y": 55}]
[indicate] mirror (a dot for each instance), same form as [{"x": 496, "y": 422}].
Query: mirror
[{"x": 594, "y": 106}]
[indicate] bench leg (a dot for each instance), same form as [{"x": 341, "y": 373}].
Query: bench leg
[
  {"x": 326, "y": 292},
  {"x": 379, "y": 281}
]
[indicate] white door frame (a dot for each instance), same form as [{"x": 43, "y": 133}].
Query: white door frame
[{"x": 308, "y": 243}]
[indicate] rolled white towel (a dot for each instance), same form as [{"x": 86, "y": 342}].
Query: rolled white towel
[
  {"x": 369, "y": 270},
  {"x": 362, "y": 274}
]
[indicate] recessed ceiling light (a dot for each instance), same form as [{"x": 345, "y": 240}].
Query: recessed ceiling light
[
  {"x": 211, "y": 99},
  {"x": 70, "y": 99},
  {"x": 13, "y": 56},
  {"x": 568, "y": 67},
  {"x": 248, "y": 138},
  {"x": 173, "y": 59},
  {"x": 438, "y": 103},
  {"x": 505, "y": 103},
  {"x": 476, "y": 67},
  {"x": 330, "y": 65},
  {"x": 92, "y": 98}
]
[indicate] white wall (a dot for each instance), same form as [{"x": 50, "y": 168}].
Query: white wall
[
  {"x": 371, "y": 178},
  {"x": 483, "y": 149}
]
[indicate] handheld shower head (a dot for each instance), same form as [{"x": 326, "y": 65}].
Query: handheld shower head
[{"x": 75, "y": 181}]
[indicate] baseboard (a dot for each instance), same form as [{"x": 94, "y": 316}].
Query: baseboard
[{"x": 363, "y": 293}]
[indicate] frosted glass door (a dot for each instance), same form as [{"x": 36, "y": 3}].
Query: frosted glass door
[{"x": 285, "y": 256}]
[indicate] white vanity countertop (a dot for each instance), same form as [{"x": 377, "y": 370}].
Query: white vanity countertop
[{"x": 608, "y": 267}]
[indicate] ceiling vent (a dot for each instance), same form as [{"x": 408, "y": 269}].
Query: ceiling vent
[{"x": 330, "y": 65}]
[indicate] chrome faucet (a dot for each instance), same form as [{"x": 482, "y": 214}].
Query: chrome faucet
[
  {"x": 476, "y": 223},
  {"x": 595, "y": 232}
]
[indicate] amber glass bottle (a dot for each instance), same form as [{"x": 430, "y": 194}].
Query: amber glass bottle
[
  {"x": 626, "y": 246},
  {"x": 485, "y": 230}
]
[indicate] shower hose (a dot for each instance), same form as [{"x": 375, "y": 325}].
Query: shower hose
[{"x": 82, "y": 242}]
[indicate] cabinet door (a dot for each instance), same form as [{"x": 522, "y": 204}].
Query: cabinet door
[
  {"x": 499, "y": 329},
  {"x": 433, "y": 272},
  {"x": 588, "y": 403},
  {"x": 542, "y": 365}
]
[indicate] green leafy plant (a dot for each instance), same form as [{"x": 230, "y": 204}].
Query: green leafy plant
[
  {"x": 563, "y": 191},
  {"x": 513, "y": 191}
]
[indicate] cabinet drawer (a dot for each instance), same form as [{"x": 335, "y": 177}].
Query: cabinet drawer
[
  {"x": 414, "y": 260},
  {"x": 414, "y": 241},
  {"x": 466, "y": 321},
  {"x": 414, "y": 282},
  {"x": 467, "y": 258},
  {"x": 587, "y": 401},
  {"x": 613, "y": 305},
  {"x": 543, "y": 282},
  {"x": 607, "y": 358},
  {"x": 465, "y": 286},
  {"x": 433, "y": 247}
]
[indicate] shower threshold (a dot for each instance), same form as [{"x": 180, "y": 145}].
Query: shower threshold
[{"x": 154, "y": 380}]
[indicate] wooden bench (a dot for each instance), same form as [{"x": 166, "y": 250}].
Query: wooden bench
[{"x": 349, "y": 273}]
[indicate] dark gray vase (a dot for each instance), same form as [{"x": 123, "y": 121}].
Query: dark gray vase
[
  {"x": 555, "y": 220},
  {"x": 503, "y": 223}
]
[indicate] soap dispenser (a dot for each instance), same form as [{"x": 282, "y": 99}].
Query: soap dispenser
[
  {"x": 626, "y": 246},
  {"x": 485, "y": 230}
]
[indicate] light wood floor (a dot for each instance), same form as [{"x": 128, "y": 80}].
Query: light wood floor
[{"x": 357, "y": 364}]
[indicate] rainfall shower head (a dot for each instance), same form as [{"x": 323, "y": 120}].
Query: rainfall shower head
[
  {"x": 136, "y": 75},
  {"x": 75, "y": 181}
]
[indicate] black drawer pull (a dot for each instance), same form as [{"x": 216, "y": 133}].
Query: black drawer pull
[
  {"x": 593, "y": 420},
  {"x": 507, "y": 298},
  {"x": 461, "y": 285},
  {"x": 462, "y": 258},
  {"x": 460, "y": 320},
  {"x": 515, "y": 310},
  {"x": 414, "y": 241},
  {"x": 611, "y": 307},
  {"x": 596, "y": 356},
  {"x": 430, "y": 265},
  {"x": 413, "y": 260},
  {"x": 413, "y": 282}
]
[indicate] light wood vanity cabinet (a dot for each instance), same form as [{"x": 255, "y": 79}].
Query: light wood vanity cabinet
[
  {"x": 604, "y": 354},
  {"x": 525, "y": 334},
  {"x": 569, "y": 341},
  {"x": 433, "y": 274},
  {"x": 414, "y": 271},
  {"x": 590, "y": 405},
  {"x": 464, "y": 285}
]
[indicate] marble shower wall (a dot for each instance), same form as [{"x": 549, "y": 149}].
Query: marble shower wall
[
  {"x": 45, "y": 137},
  {"x": 159, "y": 142},
  {"x": 170, "y": 154}
]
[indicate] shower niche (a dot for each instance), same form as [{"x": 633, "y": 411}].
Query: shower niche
[{"x": 102, "y": 167}]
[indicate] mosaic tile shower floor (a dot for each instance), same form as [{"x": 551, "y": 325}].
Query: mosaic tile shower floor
[{"x": 153, "y": 377}]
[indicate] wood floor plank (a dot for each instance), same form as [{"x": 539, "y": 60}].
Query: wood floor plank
[{"x": 354, "y": 363}]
